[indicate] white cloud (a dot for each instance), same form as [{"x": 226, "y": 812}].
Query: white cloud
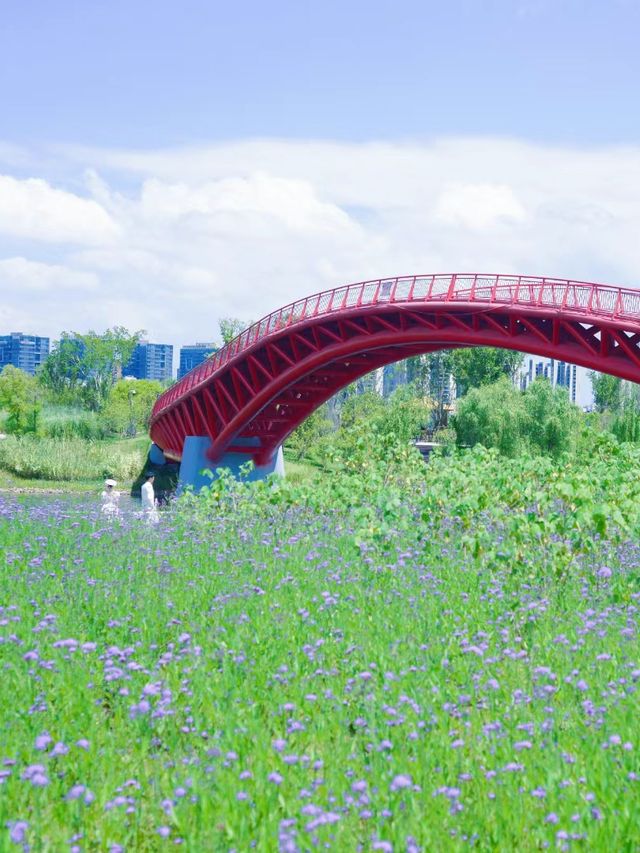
[
  {"x": 34, "y": 277},
  {"x": 478, "y": 206},
  {"x": 44, "y": 299},
  {"x": 291, "y": 203},
  {"x": 242, "y": 228},
  {"x": 32, "y": 208}
]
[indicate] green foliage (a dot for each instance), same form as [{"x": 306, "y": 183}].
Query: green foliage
[
  {"x": 542, "y": 506},
  {"x": 19, "y": 396},
  {"x": 129, "y": 405},
  {"x": 103, "y": 358},
  {"x": 230, "y": 327},
  {"x": 370, "y": 426},
  {"x": 71, "y": 458},
  {"x": 607, "y": 391},
  {"x": 402, "y": 417},
  {"x": 85, "y": 367},
  {"x": 479, "y": 366},
  {"x": 446, "y": 438},
  {"x": 311, "y": 434},
  {"x": 493, "y": 416},
  {"x": 626, "y": 425},
  {"x": 437, "y": 634},
  {"x": 552, "y": 421},
  {"x": 72, "y": 422},
  {"x": 430, "y": 376},
  {"x": 542, "y": 419},
  {"x": 64, "y": 370}
]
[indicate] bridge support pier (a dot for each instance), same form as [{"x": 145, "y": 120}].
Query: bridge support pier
[
  {"x": 156, "y": 456},
  {"x": 195, "y": 460}
]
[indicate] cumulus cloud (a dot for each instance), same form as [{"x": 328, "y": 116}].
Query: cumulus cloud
[
  {"x": 34, "y": 277},
  {"x": 478, "y": 206},
  {"x": 32, "y": 208},
  {"x": 173, "y": 240},
  {"x": 259, "y": 197},
  {"x": 43, "y": 298}
]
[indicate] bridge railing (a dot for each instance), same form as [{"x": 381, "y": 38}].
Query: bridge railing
[{"x": 595, "y": 299}]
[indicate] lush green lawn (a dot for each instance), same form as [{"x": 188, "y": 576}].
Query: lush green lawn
[{"x": 373, "y": 661}]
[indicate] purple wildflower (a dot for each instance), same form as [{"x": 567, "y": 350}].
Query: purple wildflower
[
  {"x": 43, "y": 741},
  {"x": 401, "y": 781},
  {"x": 17, "y": 831}
]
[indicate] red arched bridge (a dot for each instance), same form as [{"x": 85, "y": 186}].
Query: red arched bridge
[{"x": 254, "y": 391}]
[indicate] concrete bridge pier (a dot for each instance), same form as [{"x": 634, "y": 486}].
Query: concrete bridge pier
[{"x": 195, "y": 460}]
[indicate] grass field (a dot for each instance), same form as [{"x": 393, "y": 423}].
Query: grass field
[
  {"x": 81, "y": 465},
  {"x": 265, "y": 672},
  {"x": 30, "y": 461}
]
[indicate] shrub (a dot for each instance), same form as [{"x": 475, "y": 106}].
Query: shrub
[
  {"x": 19, "y": 396},
  {"x": 128, "y": 407}
]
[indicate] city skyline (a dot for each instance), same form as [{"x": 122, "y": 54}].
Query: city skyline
[{"x": 154, "y": 360}]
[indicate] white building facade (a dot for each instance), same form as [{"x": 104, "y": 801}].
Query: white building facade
[{"x": 575, "y": 379}]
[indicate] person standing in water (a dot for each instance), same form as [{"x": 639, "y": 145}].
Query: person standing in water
[
  {"x": 110, "y": 499},
  {"x": 149, "y": 499}
]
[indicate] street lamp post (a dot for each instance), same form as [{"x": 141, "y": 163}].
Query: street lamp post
[{"x": 131, "y": 430}]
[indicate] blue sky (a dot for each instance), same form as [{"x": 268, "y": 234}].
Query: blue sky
[
  {"x": 149, "y": 73},
  {"x": 163, "y": 165}
]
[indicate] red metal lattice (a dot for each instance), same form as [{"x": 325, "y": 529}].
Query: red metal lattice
[{"x": 273, "y": 375}]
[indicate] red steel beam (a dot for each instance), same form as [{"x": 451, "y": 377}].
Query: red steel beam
[{"x": 391, "y": 317}]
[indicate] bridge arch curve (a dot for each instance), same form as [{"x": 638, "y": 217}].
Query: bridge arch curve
[{"x": 251, "y": 394}]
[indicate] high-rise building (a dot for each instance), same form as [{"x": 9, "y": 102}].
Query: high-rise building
[
  {"x": 191, "y": 355},
  {"x": 570, "y": 376},
  {"x": 150, "y": 361},
  {"x": 27, "y": 352}
]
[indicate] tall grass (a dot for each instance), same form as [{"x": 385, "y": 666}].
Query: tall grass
[
  {"x": 72, "y": 422},
  {"x": 67, "y": 459}
]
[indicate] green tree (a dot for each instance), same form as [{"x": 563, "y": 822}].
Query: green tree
[
  {"x": 84, "y": 368},
  {"x": 64, "y": 371},
  {"x": 20, "y": 397},
  {"x": 307, "y": 438},
  {"x": 129, "y": 405},
  {"x": 493, "y": 416},
  {"x": 103, "y": 359},
  {"x": 607, "y": 391},
  {"x": 230, "y": 327},
  {"x": 404, "y": 416},
  {"x": 541, "y": 419},
  {"x": 552, "y": 421},
  {"x": 477, "y": 366},
  {"x": 370, "y": 427},
  {"x": 357, "y": 409},
  {"x": 626, "y": 425},
  {"x": 436, "y": 383}
]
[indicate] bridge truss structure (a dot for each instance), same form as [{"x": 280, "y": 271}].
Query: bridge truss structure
[{"x": 250, "y": 395}]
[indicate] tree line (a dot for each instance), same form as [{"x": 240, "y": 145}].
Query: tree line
[{"x": 83, "y": 373}]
